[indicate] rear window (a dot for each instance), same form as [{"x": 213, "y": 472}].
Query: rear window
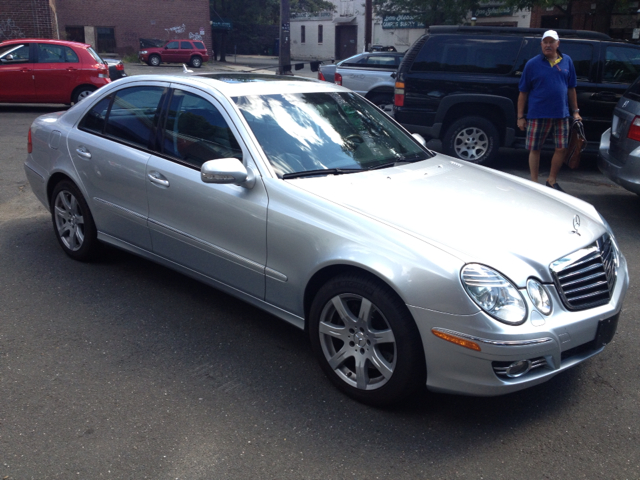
[
  {"x": 186, "y": 45},
  {"x": 457, "y": 53},
  {"x": 199, "y": 45},
  {"x": 580, "y": 54}
]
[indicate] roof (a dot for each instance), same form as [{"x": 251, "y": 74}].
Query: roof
[
  {"x": 241, "y": 84},
  {"x": 46, "y": 40},
  {"x": 536, "y": 32}
]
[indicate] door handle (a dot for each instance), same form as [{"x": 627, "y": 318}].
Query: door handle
[
  {"x": 158, "y": 179},
  {"x": 83, "y": 152}
]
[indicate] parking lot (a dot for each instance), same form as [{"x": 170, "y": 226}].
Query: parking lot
[{"x": 125, "y": 369}]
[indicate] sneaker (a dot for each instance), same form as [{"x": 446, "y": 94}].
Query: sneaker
[{"x": 555, "y": 186}]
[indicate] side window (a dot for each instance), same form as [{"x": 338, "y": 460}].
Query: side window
[
  {"x": 381, "y": 61},
  {"x": 95, "y": 119},
  {"x": 133, "y": 115},
  {"x": 199, "y": 45},
  {"x": 581, "y": 54},
  {"x": 186, "y": 46},
  {"x": 70, "y": 56},
  {"x": 196, "y": 132},
  {"x": 11, "y": 54},
  {"x": 622, "y": 64},
  {"x": 456, "y": 53},
  {"x": 50, "y": 53},
  {"x": 172, "y": 45}
]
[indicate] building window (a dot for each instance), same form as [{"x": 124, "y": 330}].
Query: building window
[
  {"x": 303, "y": 35},
  {"x": 106, "y": 39},
  {"x": 319, "y": 33},
  {"x": 75, "y": 34}
]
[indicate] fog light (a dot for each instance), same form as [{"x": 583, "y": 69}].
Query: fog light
[{"x": 519, "y": 368}]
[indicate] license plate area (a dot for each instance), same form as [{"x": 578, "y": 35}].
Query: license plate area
[{"x": 606, "y": 331}]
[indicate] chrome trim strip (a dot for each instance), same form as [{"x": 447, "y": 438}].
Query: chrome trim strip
[
  {"x": 275, "y": 275},
  {"x": 499, "y": 343},
  {"x": 219, "y": 251},
  {"x": 118, "y": 207}
]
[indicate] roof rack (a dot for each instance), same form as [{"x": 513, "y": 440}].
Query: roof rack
[{"x": 563, "y": 33}]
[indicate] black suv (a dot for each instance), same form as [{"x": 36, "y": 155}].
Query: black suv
[{"x": 460, "y": 84}]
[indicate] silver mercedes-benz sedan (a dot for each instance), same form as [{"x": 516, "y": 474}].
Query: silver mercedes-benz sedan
[{"x": 406, "y": 268}]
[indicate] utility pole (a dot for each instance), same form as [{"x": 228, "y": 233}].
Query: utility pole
[
  {"x": 368, "y": 21},
  {"x": 285, "y": 39}
]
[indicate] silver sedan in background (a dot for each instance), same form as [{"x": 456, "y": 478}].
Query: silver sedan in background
[
  {"x": 620, "y": 145},
  {"x": 407, "y": 268}
]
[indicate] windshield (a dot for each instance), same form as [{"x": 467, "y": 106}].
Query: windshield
[{"x": 326, "y": 131}]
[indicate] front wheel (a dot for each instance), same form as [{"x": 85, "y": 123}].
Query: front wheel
[
  {"x": 73, "y": 223},
  {"x": 474, "y": 139},
  {"x": 366, "y": 340},
  {"x": 154, "y": 60}
]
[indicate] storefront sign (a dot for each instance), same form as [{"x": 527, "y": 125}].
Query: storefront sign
[{"x": 402, "y": 21}]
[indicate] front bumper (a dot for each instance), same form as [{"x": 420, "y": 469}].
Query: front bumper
[
  {"x": 553, "y": 343},
  {"x": 627, "y": 173}
]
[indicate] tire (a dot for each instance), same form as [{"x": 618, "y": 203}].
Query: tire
[
  {"x": 474, "y": 139},
  {"x": 82, "y": 92},
  {"x": 73, "y": 223},
  {"x": 382, "y": 101},
  {"x": 366, "y": 341},
  {"x": 196, "y": 62},
  {"x": 154, "y": 60}
]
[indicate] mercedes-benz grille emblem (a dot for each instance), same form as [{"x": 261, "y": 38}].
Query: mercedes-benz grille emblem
[{"x": 576, "y": 224}]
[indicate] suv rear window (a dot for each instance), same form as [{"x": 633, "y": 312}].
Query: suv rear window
[
  {"x": 454, "y": 53},
  {"x": 199, "y": 45}
]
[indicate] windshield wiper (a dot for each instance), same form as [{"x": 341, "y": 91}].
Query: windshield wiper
[{"x": 321, "y": 171}]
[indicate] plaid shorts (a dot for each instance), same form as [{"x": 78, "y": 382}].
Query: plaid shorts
[{"x": 539, "y": 128}]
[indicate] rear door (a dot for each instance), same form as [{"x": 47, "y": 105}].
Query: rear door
[
  {"x": 110, "y": 150},
  {"x": 16, "y": 73},
  {"x": 55, "y": 73},
  {"x": 584, "y": 55},
  {"x": 619, "y": 67},
  {"x": 186, "y": 49}
]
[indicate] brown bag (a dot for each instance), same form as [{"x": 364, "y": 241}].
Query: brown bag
[{"x": 577, "y": 143}]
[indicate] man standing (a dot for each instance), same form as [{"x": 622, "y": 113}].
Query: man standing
[{"x": 548, "y": 85}]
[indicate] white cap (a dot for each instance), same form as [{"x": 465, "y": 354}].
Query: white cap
[{"x": 551, "y": 33}]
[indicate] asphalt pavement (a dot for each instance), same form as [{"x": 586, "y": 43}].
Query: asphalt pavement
[{"x": 124, "y": 369}]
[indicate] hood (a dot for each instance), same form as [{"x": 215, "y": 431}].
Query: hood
[{"x": 472, "y": 212}]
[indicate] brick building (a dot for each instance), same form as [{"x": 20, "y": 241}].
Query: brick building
[{"x": 110, "y": 26}]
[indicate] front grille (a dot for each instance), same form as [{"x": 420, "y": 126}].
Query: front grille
[{"x": 586, "y": 277}]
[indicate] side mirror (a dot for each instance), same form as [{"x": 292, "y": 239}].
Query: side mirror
[
  {"x": 420, "y": 139},
  {"x": 227, "y": 170}
]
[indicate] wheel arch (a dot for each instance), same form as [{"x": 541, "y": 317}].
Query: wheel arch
[
  {"x": 80, "y": 87},
  {"x": 328, "y": 272},
  {"x": 54, "y": 180},
  {"x": 379, "y": 90},
  {"x": 503, "y": 115}
]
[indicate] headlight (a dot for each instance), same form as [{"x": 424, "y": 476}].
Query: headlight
[
  {"x": 539, "y": 296},
  {"x": 494, "y": 294},
  {"x": 143, "y": 52}
]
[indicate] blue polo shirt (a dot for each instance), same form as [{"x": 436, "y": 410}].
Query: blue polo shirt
[{"x": 547, "y": 86}]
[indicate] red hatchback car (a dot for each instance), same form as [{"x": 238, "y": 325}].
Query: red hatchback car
[
  {"x": 49, "y": 71},
  {"x": 192, "y": 52}
]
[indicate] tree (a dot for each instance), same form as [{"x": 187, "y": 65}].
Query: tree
[{"x": 431, "y": 12}]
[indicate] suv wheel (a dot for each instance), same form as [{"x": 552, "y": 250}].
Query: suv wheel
[
  {"x": 196, "y": 62},
  {"x": 474, "y": 139},
  {"x": 154, "y": 60}
]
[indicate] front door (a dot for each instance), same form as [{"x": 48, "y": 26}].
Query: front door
[
  {"x": 346, "y": 41},
  {"x": 216, "y": 230},
  {"x": 16, "y": 74}
]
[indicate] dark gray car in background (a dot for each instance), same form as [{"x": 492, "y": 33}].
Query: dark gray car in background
[{"x": 620, "y": 145}]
